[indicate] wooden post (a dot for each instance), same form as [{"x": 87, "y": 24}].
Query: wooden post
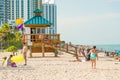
[
  {"x": 76, "y": 53},
  {"x": 30, "y": 52},
  {"x": 43, "y": 50},
  {"x": 56, "y": 53},
  {"x": 43, "y": 46},
  {"x": 60, "y": 45},
  {"x": 59, "y": 37},
  {"x": 67, "y": 48}
]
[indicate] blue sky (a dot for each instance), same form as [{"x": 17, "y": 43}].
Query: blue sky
[{"x": 89, "y": 21}]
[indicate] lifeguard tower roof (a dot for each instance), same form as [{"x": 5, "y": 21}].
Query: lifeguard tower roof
[{"x": 37, "y": 20}]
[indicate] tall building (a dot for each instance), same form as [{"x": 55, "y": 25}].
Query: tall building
[
  {"x": 50, "y": 13},
  {"x": 4, "y": 11},
  {"x": 22, "y": 9},
  {"x": 1, "y": 11},
  {"x": 10, "y": 10},
  {"x": 31, "y": 6}
]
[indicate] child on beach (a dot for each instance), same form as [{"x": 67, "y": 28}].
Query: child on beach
[
  {"x": 10, "y": 62},
  {"x": 88, "y": 56},
  {"x": 4, "y": 61},
  {"x": 93, "y": 56}
]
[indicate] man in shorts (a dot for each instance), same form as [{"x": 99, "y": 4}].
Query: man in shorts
[{"x": 24, "y": 51}]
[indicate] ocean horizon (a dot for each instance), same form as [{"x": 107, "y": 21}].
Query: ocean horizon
[{"x": 107, "y": 47}]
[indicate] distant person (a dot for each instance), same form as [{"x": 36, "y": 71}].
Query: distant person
[
  {"x": 23, "y": 36},
  {"x": 118, "y": 52},
  {"x": 24, "y": 51},
  {"x": 47, "y": 40},
  {"x": 33, "y": 32},
  {"x": 88, "y": 55},
  {"x": 4, "y": 63},
  {"x": 81, "y": 51},
  {"x": 93, "y": 56},
  {"x": 9, "y": 62},
  {"x": 107, "y": 53}
]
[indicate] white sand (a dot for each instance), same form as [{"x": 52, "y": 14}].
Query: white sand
[{"x": 60, "y": 68}]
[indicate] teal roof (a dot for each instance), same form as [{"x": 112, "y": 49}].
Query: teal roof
[
  {"x": 37, "y": 20},
  {"x": 37, "y": 10}
]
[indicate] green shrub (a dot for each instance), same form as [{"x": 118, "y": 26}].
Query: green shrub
[{"x": 11, "y": 49}]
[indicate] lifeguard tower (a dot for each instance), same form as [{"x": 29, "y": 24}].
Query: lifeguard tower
[
  {"x": 39, "y": 41},
  {"x": 36, "y": 37}
]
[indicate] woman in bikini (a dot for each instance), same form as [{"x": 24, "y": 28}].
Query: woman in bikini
[{"x": 93, "y": 56}]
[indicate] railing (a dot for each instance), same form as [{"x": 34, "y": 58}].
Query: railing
[
  {"x": 41, "y": 42},
  {"x": 44, "y": 38}
]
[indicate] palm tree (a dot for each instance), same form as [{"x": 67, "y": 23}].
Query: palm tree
[
  {"x": 6, "y": 27},
  {"x": 18, "y": 36},
  {"x": 10, "y": 36}
]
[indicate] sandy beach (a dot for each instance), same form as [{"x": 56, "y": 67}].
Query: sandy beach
[{"x": 61, "y": 68}]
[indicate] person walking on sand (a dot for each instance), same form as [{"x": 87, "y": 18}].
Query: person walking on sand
[
  {"x": 81, "y": 51},
  {"x": 93, "y": 56},
  {"x": 24, "y": 51}
]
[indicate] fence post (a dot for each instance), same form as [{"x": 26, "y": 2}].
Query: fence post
[
  {"x": 67, "y": 48},
  {"x": 30, "y": 52},
  {"x": 43, "y": 46},
  {"x": 76, "y": 53}
]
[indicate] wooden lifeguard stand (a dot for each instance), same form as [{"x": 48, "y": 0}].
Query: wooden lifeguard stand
[{"x": 36, "y": 36}]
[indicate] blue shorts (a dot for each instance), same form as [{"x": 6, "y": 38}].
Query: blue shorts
[{"x": 8, "y": 63}]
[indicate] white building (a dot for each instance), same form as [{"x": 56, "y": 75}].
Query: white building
[
  {"x": 10, "y": 10},
  {"x": 4, "y": 11},
  {"x": 22, "y": 9},
  {"x": 50, "y": 13}
]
